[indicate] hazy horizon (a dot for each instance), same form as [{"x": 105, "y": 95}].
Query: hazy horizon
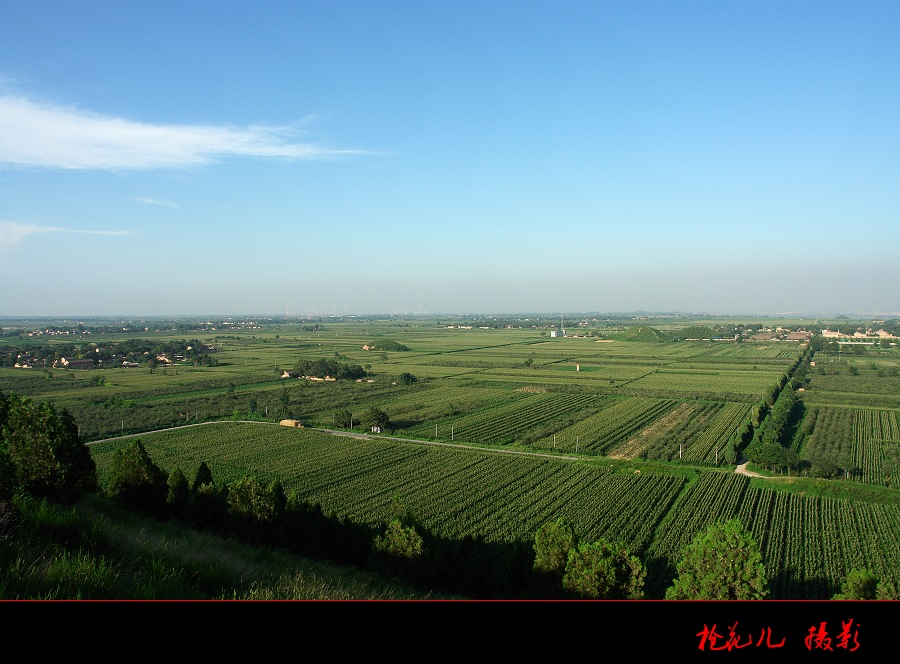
[{"x": 637, "y": 314}]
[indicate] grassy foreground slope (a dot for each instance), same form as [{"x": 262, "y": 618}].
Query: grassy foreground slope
[{"x": 95, "y": 550}]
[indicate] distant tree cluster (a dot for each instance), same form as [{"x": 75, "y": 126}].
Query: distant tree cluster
[
  {"x": 326, "y": 368},
  {"x": 385, "y": 345},
  {"x": 372, "y": 419},
  {"x": 406, "y": 378},
  {"x": 694, "y": 332}
]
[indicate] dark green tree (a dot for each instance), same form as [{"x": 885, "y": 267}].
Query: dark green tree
[
  {"x": 343, "y": 418},
  {"x": 859, "y": 584},
  {"x": 406, "y": 378},
  {"x": 8, "y": 482},
  {"x": 203, "y": 476},
  {"x": 724, "y": 562},
  {"x": 178, "y": 492},
  {"x": 604, "y": 570},
  {"x": 279, "y": 498},
  {"x": 864, "y": 584},
  {"x": 137, "y": 482},
  {"x": 41, "y": 452},
  {"x": 208, "y": 506},
  {"x": 396, "y": 551},
  {"x": 251, "y": 507},
  {"x": 552, "y": 543},
  {"x": 374, "y": 418}
]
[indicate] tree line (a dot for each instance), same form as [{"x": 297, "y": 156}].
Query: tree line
[{"x": 327, "y": 368}]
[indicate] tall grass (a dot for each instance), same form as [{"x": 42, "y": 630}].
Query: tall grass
[{"x": 97, "y": 551}]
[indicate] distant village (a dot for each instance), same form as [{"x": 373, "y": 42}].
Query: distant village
[{"x": 125, "y": 354}]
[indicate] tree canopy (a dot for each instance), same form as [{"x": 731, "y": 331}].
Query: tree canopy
[
  {"x": 329, "y": 368},
  {"x": 41, "y": 451},
  {"x": 137, "y": 482},
  {"x": 552, "y": 543},
  {"x": 385, "y": 344},
  {"x": 724, "y": 562},
  {"x": 604, "y": 570},
  {"x": 406, "y": 378},
  {"x": 864, "y": 584},
  {"x": 374, "y": 418},
  {"x": 586, "y": 570}
]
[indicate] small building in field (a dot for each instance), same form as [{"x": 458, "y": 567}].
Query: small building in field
[{"x": 292, "y": 423}]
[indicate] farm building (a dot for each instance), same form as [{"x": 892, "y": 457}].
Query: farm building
[{"x": 291, "y": 423}]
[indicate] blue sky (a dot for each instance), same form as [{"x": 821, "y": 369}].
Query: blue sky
[{"x": 349, "y": 157}]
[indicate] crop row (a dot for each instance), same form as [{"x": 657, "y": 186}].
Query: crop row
[
  {"x": 876, "y": 432},
  {"x": 436, "y": 403},
  {"x": 601, "y": 432},
  {"x": 832, "y": 433},
  {"x": 707, "y": 447},
  {"x": 750, "y": 385},
  {"x": 494, "y": 496},
  {"x": 857, "y": 439},
  {"x": 809, "y": 543},
  {"x": 507, "y": 421}
]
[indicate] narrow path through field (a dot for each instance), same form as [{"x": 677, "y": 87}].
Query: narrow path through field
[
  {"x": 740, "y": 469},
  {"x": 349, "y": 434},
  {"x": 366, "y": 436}
]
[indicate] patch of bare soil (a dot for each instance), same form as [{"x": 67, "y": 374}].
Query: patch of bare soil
[{"x": 632, "y": 447}]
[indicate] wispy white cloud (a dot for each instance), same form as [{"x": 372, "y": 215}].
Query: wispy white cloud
[
  {"x": 42, "y": 135},
  {"x": 14, "y": 234},
  {"x": 152, "y": 201}
]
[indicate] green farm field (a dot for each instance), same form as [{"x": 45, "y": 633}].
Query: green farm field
[
  {"x": 483, "y": 369},
  {"x": 624, "y": 439},
  {"x": 808, "y": 541}
]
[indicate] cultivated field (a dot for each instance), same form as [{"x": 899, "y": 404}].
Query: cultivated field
[
  {"x": 808, "y": 542},
  {"x": 645, "y": 427}
]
